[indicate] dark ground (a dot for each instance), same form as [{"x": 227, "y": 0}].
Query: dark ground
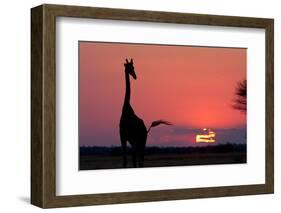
[{"x": 111, "y": 158}]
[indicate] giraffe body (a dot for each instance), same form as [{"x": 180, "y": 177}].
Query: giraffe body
[{"x": 133, "y": 130}]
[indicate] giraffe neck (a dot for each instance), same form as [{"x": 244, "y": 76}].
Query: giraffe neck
[{"x": 128, "y": 89}]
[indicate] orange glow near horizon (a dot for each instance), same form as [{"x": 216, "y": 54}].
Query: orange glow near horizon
[{"x": 206, "y": 138}]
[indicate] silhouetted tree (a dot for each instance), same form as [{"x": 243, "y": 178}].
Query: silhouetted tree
[{"x": 240, "y": 101}]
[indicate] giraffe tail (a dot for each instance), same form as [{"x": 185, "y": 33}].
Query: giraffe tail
[{"x": 158, "y": 122}]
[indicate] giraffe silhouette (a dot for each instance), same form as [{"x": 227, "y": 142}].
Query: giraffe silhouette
[{"x": 132, "y": 128}]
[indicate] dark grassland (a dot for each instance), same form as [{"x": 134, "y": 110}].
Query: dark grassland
[{"x": 111, "y": 157}]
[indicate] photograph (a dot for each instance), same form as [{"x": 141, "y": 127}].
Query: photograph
[
  {"x": 160, "y": 105},
  {"x": 140, "y": 105}
]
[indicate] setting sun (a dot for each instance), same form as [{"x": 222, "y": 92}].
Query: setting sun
[{"x": 209, "y": 137}]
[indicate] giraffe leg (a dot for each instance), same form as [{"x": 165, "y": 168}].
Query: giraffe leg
[
  {"x": 124, "y": 152},
  {"x": 141, "y": 158},
  {"x": 141, "y": 151},
  {"x": 123, "y": 139},
  {"x": 134, "y": 157}
]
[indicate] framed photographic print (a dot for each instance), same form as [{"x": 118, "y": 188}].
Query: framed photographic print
[{"x": 136, "y": 106}]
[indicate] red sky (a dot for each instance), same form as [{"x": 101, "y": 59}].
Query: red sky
[{"x": 192, "y": 87}]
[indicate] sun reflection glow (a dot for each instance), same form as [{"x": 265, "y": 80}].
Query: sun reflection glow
[{"x": 209, "y": 137}]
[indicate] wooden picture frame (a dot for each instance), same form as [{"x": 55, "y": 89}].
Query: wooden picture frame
[{"x": 43, "y": 105}]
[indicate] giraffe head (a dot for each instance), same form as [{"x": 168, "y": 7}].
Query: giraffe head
[{"x": 129, "y": 68}]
